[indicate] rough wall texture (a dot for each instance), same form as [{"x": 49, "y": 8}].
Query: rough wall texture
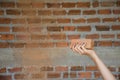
[{"x": 35, "y": 37}]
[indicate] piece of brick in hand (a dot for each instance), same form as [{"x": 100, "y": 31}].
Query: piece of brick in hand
[{"x": 89, "y": 42}]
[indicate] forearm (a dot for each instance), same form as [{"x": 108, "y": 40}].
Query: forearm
[{"x": 106, "y": 74}]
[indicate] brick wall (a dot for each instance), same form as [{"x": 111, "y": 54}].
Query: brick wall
[{"x": 38, "y": 32}]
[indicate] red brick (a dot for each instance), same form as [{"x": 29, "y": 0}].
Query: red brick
[
  {"x": 59, "y": 12},
  {"x": 7, "y": 4},
  {"x": 83, "y": 4},
  {"x": 32, "y": 45},
  {"x": 7, "y": 36},
  {"x": 104, "y": 11},
  {"x": 38, "y": 75},
  {"x": 73, "y": 36},
  {"x": 4, "y": 29},
  {"x": 17, "y": 45},
  {"x": 5, "y": 21},
  {"x": 38, "y": 4},
  {"x": 20, "y": 76},
  {"x": 3, "y": 70},
  {"x": 93, "y": 20},
  {"x": 44, "y": 12},
  {"x": 118, "y": 36},
  {"x": 107, "y": 4},
  {"x": 33, "y": 20},
  {"x": 89, "y": 12},
  {"x": 46, "y": 68},
  {"x": 48, "y": 20},
  {"x": 83, "y": 28},
  {"x": 23, "y": 4},
  {"x": 35, "y": 29},
  {"x": 91, "y": 68},
  {"x": 112, "y": 69},
  {"x": 13, "y": 12},
  {"x": 116, "y": 43},
  {"x": 16, "y": 69},
  {"x": 53, "y": 5},
  {"x": 74, "y": 12},
  {"x": 61, "y": 44},
  {"x": 22, "y": 37},
  {"x": 97, "y": 74},
  {"x": 115, "y": 27},
  {"x": 102, "y": 28},
  {"x": 119, "y": 19},
  {"x": 118, "y": 3},
  {"x": 18, "y": 21},
  {"x": 19, "y": 29},
  {"x": 107, "y": 35},
  {"x": 79, "y": 20},
  {"x": 57, "y": 36},
  {"x": 5, "y": 77},
  {"x": 4, "y": 45},
  {"x": 64, "y": 20},
  {"x": 28, "y": 12},
  {"x": 85, "y": 74},
  {"x": 77, "y": 68},
  {"x": 46, "y": 44},
  {"x": 92, "y": 36},
  {"x": 1, "y": 12},
  {"x": 65, "y": 75},
  {"x": 53, "y": 75},
  {"x": 69, "y": 28},
  {"x": 95, "y": 4},
  {"x": 53, "y": 28},
  {"x": 105, "y": 43},
  {"x": 68, "y": 5},
  {"x": 109, "y": 19},
  {"x": 61, "y": 68},
  {"x": 38, "y": 37},
  {"x": 73, "y": 74},
  {"x": 116, "y": 11}
]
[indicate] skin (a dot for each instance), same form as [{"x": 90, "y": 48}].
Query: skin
[{"x": 80, "y": 49}]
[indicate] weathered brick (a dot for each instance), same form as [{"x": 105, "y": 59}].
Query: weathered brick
[
  {"x": 107, "y": 35},
  {"x": 20, "y": 76},
  {"x": 38, "y": 37},
  {"x": 118, "y": 36},
  {"x": 57, "y": 36},
  {"x": 63, "y": 20},
  {"x": 13, "y": 12},
  {"x": 77, "y": 68},
  {"x": 53, "y": 5},
  {"x": 5, "y": 77},
  {"x": 46, "y": 68},
  {"x": 47, "y": 44},
  {"x": 5, "y": 20},
  {"x": 48, "y": 20},
  {"x": 109, "y": 20},
  {"x": 93, "y": 20},
  {"x": 4, "y": 29},
  {"x": 68, "y": 5},
  {"x": 74, "y": 12},
  {"x": 65, "y": 75},
  {"x": 73, "y": 74},
  {"x": 28, "y": 12},
  {"x": 92, "y": 36},
  {"x": 23, "y": 4},
  {"x": 22, "y": 37},
  {"x": 83, "y": 28},
  {"x": 44, "y": 12},
  {"x": 17, "y": 45},
  {"x": 7, "y": 4},
  {"x": 79, "y": 20},
  {"x": 61, "y": 44},
  {"x": 7, "y": 36},
  {"x": 115, "y": 27},
  {"x": 18, "y": 21},
  {"x": 61, "y": 68},
  {"x": 116, "y": 43},
  {"x": 69, "y": 28},
  {"x": 91, "y": 68},
  {"x": 33, "y": 20},
  {"x": 3, "y": 70},
  {"x": 19, "y": 29},
  {"x": 1, "y": 12},
  {"x": 107, "y": 4},
  {"x": 38, "y": 4},
  {"x": 105, "y": 43},
  {"x": 38, "y": 75},
  {"x": 97, "y": 75},
  {"x": 4, "y": 45},
  {"x": 59, "y": 12},
  {"x": 53, "y": 75},
  {"x": 102, "y": 28},
  {"x": 83, "y": 4},
  {"x": 89, "y": 12},
  {"x": 32, "y": 45},
  {"x": 118, "y": 3},
  {"x": 33, "y": 29},
  {"x": 104, "y": 11},
  {"x": 116, "y": 11},
  {"x": 53, "y": 28},
  {"x": 73, "y": 36},
  {"x": 95, "y": 4},
  {"x": 112, "y": 69},
  {"x": 85, "y": 74},
  {"x": 16, "y": 69}
]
